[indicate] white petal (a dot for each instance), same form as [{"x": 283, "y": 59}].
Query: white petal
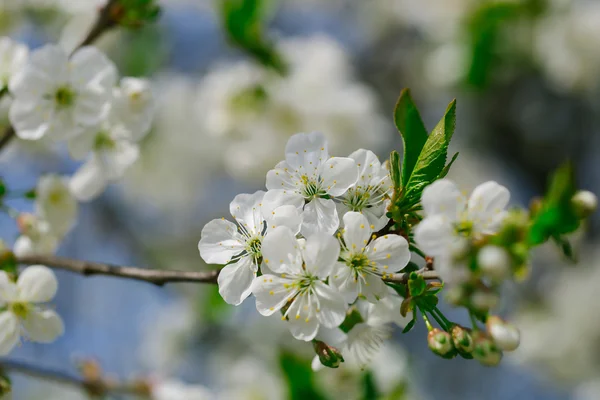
[
  {"x": 316, "y": 363},
  {"x": 486, "y": 202},
  {"x": 368, "y": 164},
  {"x": 339, "y": 174},
  {"x": 305, "y": 151},
  {"x": 376, "y": 216},
  {"x": 25, "y": 246},
  {"x": 391, "y": 251},
  {"x": 320, "y": 254},
  {"x": 8, "y": 289},
  {"x": 278, "y": 197},
  {"x": 282, "y": 177},
  {"x": 302, "y": 316},
  {"x": 246, "y": 209},
  {"x": 220, "y": 241},
  {"x": 387, "y": 310},
  {"x": 357, "y": 230},
  {"x": 435, "y": 235},
  {"x": 91, "y": 68},
  {"x": 332, "y": 305},
  {"x": 343, "y": 280},
  {"x": 235, "y": 281},
  {"x": 443, "y": 197},
  {"x": 114, "y": 162},
  {"x": 272, "y": 293},
  {"x": 43, "y": 326},
  {"x": 50, "y": 62},
  {"x": 37, "y": 284},
  {"x": 285, "y": 216},
  {"x": 281, "y": 251},
  {"x": 89, "y": 181},
  {"x": 81, "y": 145},
  {"x": 320, "y": 215},
  {"x": 30, "y": 120},
  {"x": 91, "y": 107},
  {"x": 373, "y": 288},
  {"x": 9, "y": 332},
  {"x": 331, "y": 336}
]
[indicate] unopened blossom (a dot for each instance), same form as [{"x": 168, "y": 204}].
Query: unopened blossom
[
  {"x": 297, "y": 282},
  {"x": 13, "y": 56},
  {"x": 60, "y": 96},
  {"x": 109, "y": 150},
  {"x": 24, "y": 314},
  {"x": 37, "y": 236},
  {"x": 366, "y": 260},
  {"x": 506, "y": 336},
  {"x": 309, "y": 178},
  {"x": 451, "y": 221},
  {"x": 134, "y": 105},
  {"x": 55, "y": 204},
  {"x": 239, "y": 245},
  {"x": 370, "y": 195},
  {"x": 176, "y": 390}
]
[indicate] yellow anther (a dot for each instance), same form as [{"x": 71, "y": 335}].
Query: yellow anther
[
  {"x": 271, "y": 293},
  {"x": 362, "y": 226},
  {"x": 388, "y": 255},
  {"x": 297, "y": 316}
]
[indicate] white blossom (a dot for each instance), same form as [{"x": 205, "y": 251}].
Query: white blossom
[
  {"x": 176, "y": 390},
  {"x": 309, "y": 178},
  {"x": 134, "y": 106},
  {"x": 37, "y": 237},
  {"x": 55, "y": 204},
  {"x": 60, "y": 96},
  {"x": 367, "y": 260},
  {"x": 240, "y": 245},
  {"x": 13, "y": 56},
  {"x": 299, "y": 270},
  {"x": 24, "y": 315}
]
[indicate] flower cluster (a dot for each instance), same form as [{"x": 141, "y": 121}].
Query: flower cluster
[
  {"x": 310, "y": 246},
  {"x": 78, "y": 98}
]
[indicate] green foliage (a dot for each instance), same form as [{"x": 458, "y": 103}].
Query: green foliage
[
  {"x": 557, "y": 215},
  {"x": 214, "y": 309},
  {"x": 414, "y": 135},
  {"x": 8, "y": 261},
  {"x": 244, "y": 22},
  {"x": 2, "y": 189},
  {"x": 353, "y": 317},
  {"x": 369, "y": 386},
  {"x": 135, "y": 13},
  {"x": 395, "y": 169},
  {"x": 416, "y": 284},
  {"x": 432, "y": 158},
  {"x": 299, "y": 377},
  {"x": 328, "y": 355}
]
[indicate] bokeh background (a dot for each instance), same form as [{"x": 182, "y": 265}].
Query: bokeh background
[{"x": 526, "y": 74}]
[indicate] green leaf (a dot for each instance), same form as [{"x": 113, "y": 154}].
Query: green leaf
[
  {"x": 407, "y": 305},
  {"x": 566, "y": 248},
  {"x": 557, "y": 215},
  {"x": 416, "y": 284},
  {"x": 432, "y": 160},
  {"x": 411, "y": 324},
  {"x": 447, "y": 167},
  {"x": 395, "y": 169},
  {"x": 370, "y": 391},
  {"x": 399, "y": 288},
  {"x": 244, "y": 23},
  {"x": 413, "y": 132},
  {"x": 300, "y": 377},
  {"x": 427, "y": 302}
]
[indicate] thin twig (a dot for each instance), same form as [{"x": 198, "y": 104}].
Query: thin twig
[
  {"x": 156, "y": 277},
  {"x": 97, "y": 387},
  {"x": 403, "y": 278}
]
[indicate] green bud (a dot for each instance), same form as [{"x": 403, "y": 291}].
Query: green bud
[
  {"x": 440, "y": 342},
  {"x": 485, "y": 350},
  {"x": 585, "y": 203},
  {"x": 505, "y": 335},
  {"x": 462, "y": 339},
  {"x": 328, "y": 355}
]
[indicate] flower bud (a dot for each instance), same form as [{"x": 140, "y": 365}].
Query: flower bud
[
  {"x": 328, "y": 355},
  {"x": 25, "y": 223},
  {"x": 484, "y": 300},
  {"x": 585, "y": 203},
  {"x": 505, "y": 335},
  {"x": 494, "y": 262},
  {"x": 485, "y": 350},
  {"x": 440, "y": 342},
  {"x": 462, "y": 339}
]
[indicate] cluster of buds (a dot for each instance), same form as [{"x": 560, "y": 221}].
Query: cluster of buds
[{"x": 486, "y": 346}]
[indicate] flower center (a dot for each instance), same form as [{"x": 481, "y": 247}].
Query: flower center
[
  {"x": 357, "y": 262},
  {"x": 253, "y": 247},
  {"x": 21, "y": 310},
  {"x": 311, "y": 188},
  {"x": 464, "y": 227},
  {"x": 103, "y": 141},
  {"x": 251, "y": 99},
  {"x": 64, "y": 96},
  {"x": 56, "y": 197}
]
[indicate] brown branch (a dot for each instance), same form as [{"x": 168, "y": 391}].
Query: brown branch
[
  {"x": 87, "y": 268},
  {"x": 403, "y": 278},
  {"x": 93, "y": 386}
]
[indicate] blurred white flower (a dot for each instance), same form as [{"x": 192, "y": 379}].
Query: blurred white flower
[
  {"x": 55, "y": 204},
  {"x": 13, "y": 57},
  {"x": 245, "y": 106},
  {"x": 23, "y": 315},
  {"x": 134, "y": 105},
  {"x": 37, "y": 236},
  {"x": 176, "y": 390},
  {"x": 60, "y": 96}
]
